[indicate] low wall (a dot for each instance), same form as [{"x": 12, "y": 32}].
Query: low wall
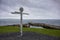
[{"x": 45, "y": 25}]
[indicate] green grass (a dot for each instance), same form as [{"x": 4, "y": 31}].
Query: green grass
[
  {"x": 51, "y": 32},
  {"x": 7, "y": 29}
]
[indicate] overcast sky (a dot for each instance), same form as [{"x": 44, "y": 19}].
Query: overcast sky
[{"x": 37, "y": 9}]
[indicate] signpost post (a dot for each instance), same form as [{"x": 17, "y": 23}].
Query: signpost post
[{"x": 21, "y": 13}]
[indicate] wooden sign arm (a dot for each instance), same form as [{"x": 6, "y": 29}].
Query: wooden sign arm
[
  {"x": 15, "y": 12},
  {"x": 25, "y": 13}
]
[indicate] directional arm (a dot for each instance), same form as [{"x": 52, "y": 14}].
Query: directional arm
[
  {"x": 15, "y": 12},
  {"x": 19, "y": 13},
  {"x": 25, "y": 13}
]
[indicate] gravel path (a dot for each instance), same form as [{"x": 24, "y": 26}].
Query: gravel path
[{"x": 27, "y": 36}]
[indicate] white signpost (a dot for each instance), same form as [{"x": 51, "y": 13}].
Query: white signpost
[{"x": 21, "y": 13}]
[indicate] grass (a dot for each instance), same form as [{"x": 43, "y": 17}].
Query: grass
[
  {"x": 51, "y": 32},
  {"x": 7, "y": 29}
]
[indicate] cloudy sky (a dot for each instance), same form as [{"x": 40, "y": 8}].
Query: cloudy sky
[{"x": 37, "y": 9}]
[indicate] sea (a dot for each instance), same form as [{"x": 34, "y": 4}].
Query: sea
[{"x": 4, "y": 22}]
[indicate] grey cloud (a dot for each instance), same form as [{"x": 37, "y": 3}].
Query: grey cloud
[
  {"x": 0, "y": 1},
  {"x": 9, "y": 2},
  {"x": 57, "y": 1},
  {"x": 48, "y": 5},
  {"x": 42, "y": 8},
  {"x": 3, "y": 9}
]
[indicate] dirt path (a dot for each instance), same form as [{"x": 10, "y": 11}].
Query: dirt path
[{"x": 27, "y": 36}]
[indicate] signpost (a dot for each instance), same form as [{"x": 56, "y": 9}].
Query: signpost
[{"x": 21, "y": 13}]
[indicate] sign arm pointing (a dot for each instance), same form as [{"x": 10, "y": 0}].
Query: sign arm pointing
[
  {"x": 26, "y": 13},
  {"x": 15, "y": 12}
]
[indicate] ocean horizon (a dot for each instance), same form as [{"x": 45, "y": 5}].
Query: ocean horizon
[{"x": 17, "y": 21}]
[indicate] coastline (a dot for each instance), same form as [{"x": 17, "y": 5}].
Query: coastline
[{"x": 42, "y": 25}]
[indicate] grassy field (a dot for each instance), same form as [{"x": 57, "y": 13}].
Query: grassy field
[{"x": 51, "y": 32}]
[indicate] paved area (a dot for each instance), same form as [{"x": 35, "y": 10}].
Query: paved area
[{"x": 27, "y": 36}]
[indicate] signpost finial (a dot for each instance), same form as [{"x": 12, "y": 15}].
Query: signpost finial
[{"x": 21, "y": 9}]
